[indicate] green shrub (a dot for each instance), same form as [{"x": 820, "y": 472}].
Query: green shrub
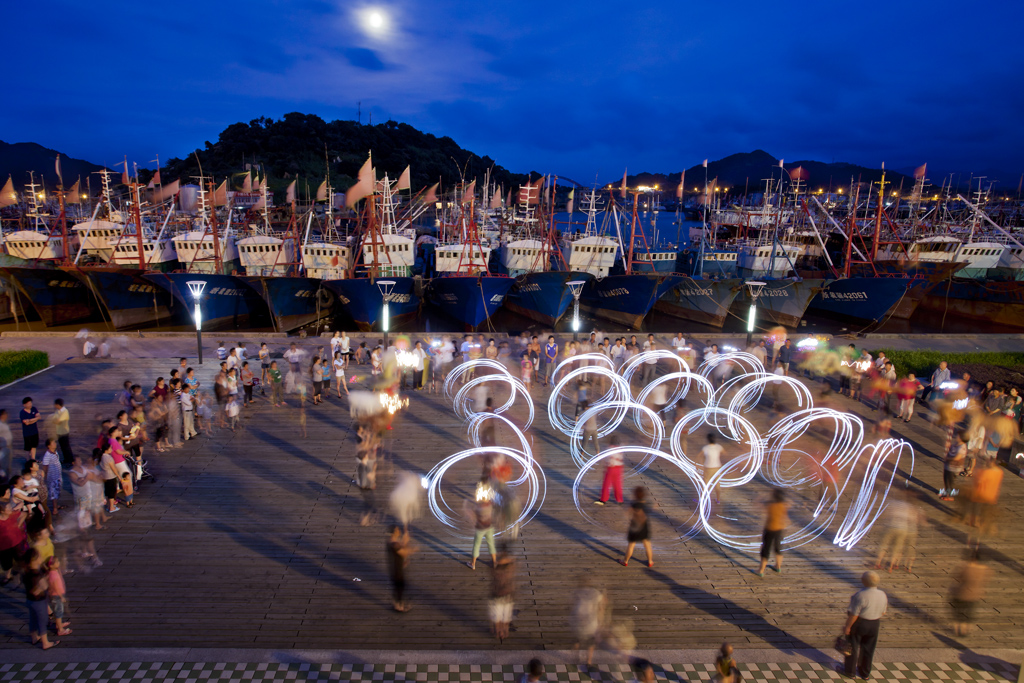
[
  {"x": 924, "y": 363},
  {"x": 17, "y": 364}
]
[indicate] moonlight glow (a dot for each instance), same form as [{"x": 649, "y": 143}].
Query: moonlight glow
[{"x": 374, "y": 21}]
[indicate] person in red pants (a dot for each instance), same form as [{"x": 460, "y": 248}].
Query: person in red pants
[{"x": 612, "y": 475}]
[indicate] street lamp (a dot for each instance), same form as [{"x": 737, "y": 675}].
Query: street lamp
[
  {"x": 576, "y": 286},
  {"x": 385, "y": 287},
  {"x": 196, "y": 287},
  {"x": 755, "y": 288}
]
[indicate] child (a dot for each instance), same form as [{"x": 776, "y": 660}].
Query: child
[
  {"x": 204, "y": 413},
  {"x": 725, "y": 666},
  {"x": 56, "y": 593},
  {"x": 527, "y": 369},
  {"x": 222, "y": 353},
  {"x": 128, "y": 489},
  {"x": 231, "y": 410},
  {"x": 276, "y": 384}
]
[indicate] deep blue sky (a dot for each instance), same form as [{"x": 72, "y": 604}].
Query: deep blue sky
[{"x": 580, "y": 89}]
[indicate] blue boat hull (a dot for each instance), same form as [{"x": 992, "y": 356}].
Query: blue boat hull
[
  {"x": 782, "y": 302},
  {"x": 702, "y": 301},
  {"x": 127, "y": 298},
  {"x": 867, "y": 299},
  {"x": 361, "y": 299},
  {"x": 58, "y": 298},
  {"x": 227, "y": 302},
  {"x": 470, "y": 299},
  {"x": 543, "y": 297},
  {"x": 626, "y": 299},
  {"x": 293, "y": 302}
]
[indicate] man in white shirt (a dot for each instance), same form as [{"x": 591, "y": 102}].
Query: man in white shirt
[
  {"x": 232, "y": 360},
  {"x": 649, "y": 344},
  {"x": 240, "y": 352},
  {"x": 651, "y": 364},
  {"x": 760, "y": 352},
  {"x": 678, "y": 342},
  {"x": 188, "y": 415},
  {"x": 712, "y": 453}
]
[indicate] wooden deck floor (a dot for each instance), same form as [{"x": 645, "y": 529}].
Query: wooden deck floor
[{"x": 251, "y": 539}]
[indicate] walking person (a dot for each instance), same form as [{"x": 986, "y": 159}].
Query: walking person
[
  {"x": 612, "y": 474},
  {"x": 174, "y": 416},
  {"x": 248, "y": 379},
  {"x": 900, "y": 538},
  {"x": 188, "y": 415},
  {"x": 6, "y": 445},
  {"x": 863, "y": 618},
  {"x": 503, "y": 588},
  {"x": 956, "y": 460},
  {"x": 725, "y": 666},
  {"x": 968, "y": 590},
  {"x": 712, "y": 453},
  {"x": 785, "y": 356},
  {"x": 481, "y": 511},
  {"x": 775, "y": 523},
  {"x": 651, "y": 364},
  {"x": 639, "y": 530},
  {"x": 399, "y": 549}
]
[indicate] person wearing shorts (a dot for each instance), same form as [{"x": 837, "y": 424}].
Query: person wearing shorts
[
  {"x": 771, "y": 539},
  {"x": 340, "y": 363},
  {"x": 29, "y": 429}
]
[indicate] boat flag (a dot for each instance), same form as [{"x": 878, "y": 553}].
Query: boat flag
[
  {"x": 705, "y": 163},
  {"x": 622, "y": 190},
  {"x": 165, "y": 192},
  {"x": 706, "y": 198},
  {"x": 220, "y": 195},
  {"x": 59, "y": 176},
  {"x": 682, "y": 181},
  {"x": 263, "y": 184},
  {"x": 247, "y": 182},
  {"x": 799, "y": 173},
  {"x": 72, "y": 195},
  {"x": 8, "y": 197},
  {"x": 363, "y": 187},
  {"x": 569, "y": 203},
  {"x": 920, "y": 171},
  {"x": 404, "y": 180},
  {"x": 321, "y": 192},
  {"x": 496, "y": 199},
  {"x": 124, "y": 174},
  {"x": 155, "y": 180},
  {"x": 468, "y": 191},
  {"x": 431, "y": 194},
  {"x": 367, "y": 172},
  {"x": 290, "y": 196}
]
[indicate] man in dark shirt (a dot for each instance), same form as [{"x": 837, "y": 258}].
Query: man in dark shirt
[
  {"x": 786, "y": 355},
  {"x": 29, "y": 429}
]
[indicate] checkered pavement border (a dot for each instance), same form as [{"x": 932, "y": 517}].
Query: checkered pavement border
[{"x": 185, "y": 672}]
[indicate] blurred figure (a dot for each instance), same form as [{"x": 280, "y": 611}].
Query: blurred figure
[
  {"x": 612, "y": 474},
  {"x": 366, "y": 471},
  {"x": 503, "y": 588},
  {"x": 643, "y": 670},
  {"x": 639, "y": 527},
  {"x": 725, "y": 666},
  {"x": 968, "y": 590},
  {"x": 712, "y": 453},
  {"x": 589, "y": 615},
  {"x": 399, "y": 550},
  {"x": 771, "y": 539},
  {"x": 481, "y": 511},
  {"x": 406, "y": 499},
  {"x": 984, "y": 498},
  {"x": 589, "y": 431},
  {"x": 956, "y": 459},
  {"x": 903, "y": 518},
  {"x": 906, "y": 393},
  {"x": 534, "y": 671}
]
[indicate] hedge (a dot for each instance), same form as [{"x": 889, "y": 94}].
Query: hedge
[
  {"x": 17, "y": 364},
  {"x": 924, "y": 363}
]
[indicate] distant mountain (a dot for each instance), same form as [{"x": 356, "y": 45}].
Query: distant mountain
[
  {"x": 750, "y": 169},
  {"x": 17, "y": 159},
  {"x": 301, "y": 145}
]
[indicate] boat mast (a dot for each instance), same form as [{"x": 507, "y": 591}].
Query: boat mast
[
  {"x": 134, "y": 187},
  {"x": 878, "y": 215}
]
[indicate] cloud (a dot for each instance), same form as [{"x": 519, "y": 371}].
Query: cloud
[{"x": 364, "y": 59}]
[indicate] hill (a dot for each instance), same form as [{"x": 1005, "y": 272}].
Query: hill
[
  {"x": 298, "y": 145},
  {"x": 18, "y": 158},
  {"x": 750, "y": 169}
]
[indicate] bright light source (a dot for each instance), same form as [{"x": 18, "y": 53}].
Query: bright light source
[{"x": 375, "y": 21}]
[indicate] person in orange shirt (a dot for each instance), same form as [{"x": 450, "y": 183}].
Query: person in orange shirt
[
  {"x": 984, "y": 498},
  {"x": 778, "y": 520}
]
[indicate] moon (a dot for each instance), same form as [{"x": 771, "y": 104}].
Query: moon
[{"x": 375, "y": 20}]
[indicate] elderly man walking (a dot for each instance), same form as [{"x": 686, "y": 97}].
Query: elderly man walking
[{"x": 863, "y": 616}]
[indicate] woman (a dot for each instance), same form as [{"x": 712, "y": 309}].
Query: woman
[
  {"x": 317, "y": 371},
  {"x": 33, "y": 576},
  {"x": 340, "y": 363},
  {"x": 639, "y": 527},
  {"x": 376, "y": 364},
  {"x": 158, "y": 418},
  {"x": 264, "y": 356},
  {"x": 13, "y": 539},
  {"x": 248, "y": 378},
  {"x": 771, "y": 539}
]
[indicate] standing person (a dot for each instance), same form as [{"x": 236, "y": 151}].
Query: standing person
[
  {"x": 771, "y": 540},
  {"x": 906, "y": 393},
  {"x": 417, "y": 369},
  {"x": 316, "y": 372},
  {"x": 968, "y": 590},
  {"x": 345, "y": 347},
  {"x": 232, "y": 360},
  {"x": 612, "y": 474},
  {"x": 247, "y": 382},
  {"x": 340, "y": 363},
  {"x": 399, "y": 549},
  {"x": 940, "y": 376},
  {"x": 276, "y": 385},
  {"x": 62, "y": 427},
  {"x": 191, "y": 384},
  {"x": 526, "y": 369},
  {"x": 491, "y": 352},
  {"x": 188, "y": 414},
  {"x": 174, "y": 417},
  {"x": 618, "y": 354},
  {"x": 903, "y": 518},
  {"x": 651, "y": 364},
  {"x": 481, "y": 511},
  {"x": 294, "y": 357},
  {"x": 785, "y": 356},
  {"x": 639, "y": 530},
  {"x": 33, "y": 576},
  {"x": 534, "y": 670},
  {"x": 264, "y": 356},
  {"x": 503, "y": 588},
  {"x": 29, "y": 429},
  {"x": 884, "y": 386},
  {"x": 712, "y": 453},
  {"x": 13, "y": 538},
  {"x": 110, "y": 478},
  {"x": 6, "y": 445},
  {"x": 57, "y": 594},
  {"x": 863, "y": 617},
  {"x": 52, "y": 474},
  {"x": 550, "y": 359}
]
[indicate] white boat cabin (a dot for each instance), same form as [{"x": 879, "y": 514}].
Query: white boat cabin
[
  {"x": 774, "y": 260},
  {"x": 196, "y": 252},
  {"x": 154, "y": 252},
  {"x": 525, "y": 256},
  {"x": 464, "y": 259},
  {"x": 266, "y": 255},
  {"x": 33, "y": 245},
  {"x": 594, "y": 255},
  {"x": 97, "y": 237},
  {"x": 326, "y": 260},
  {"x": 392, "y": 254}
]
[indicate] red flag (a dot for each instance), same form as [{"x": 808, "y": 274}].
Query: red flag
[
  {"x": 59, "y": 176},
  {"x": 920, "y": 171},
  {"x": 569, "y": 203},
  {"x": 247, "y": 183},
  {"x": 496, "y": 200},
  {"x": 220, "y": 195},
  {"x": 124, "y": 174},
  {"x": 468, "y": 191},
  {"x": 705, "y": 163},
  {"x": 799, "y": 173}
]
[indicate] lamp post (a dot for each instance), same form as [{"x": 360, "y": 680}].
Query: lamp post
[
  {"x": 196, "y": 287},
  {"x": 385, "y": 287},
  {"x": 576, "y": 286},
  {"x": 755, "y": 288}
]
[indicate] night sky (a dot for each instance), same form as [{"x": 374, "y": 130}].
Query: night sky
[{"x": 580, "y": 89}]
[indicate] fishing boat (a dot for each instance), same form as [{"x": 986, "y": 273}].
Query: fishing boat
[
  {"x": 624, "y": 297},
  {"x": 541, "y": 274},
  {"x": 381, "y": 254},
  {"x": 464, "y": 287}
]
